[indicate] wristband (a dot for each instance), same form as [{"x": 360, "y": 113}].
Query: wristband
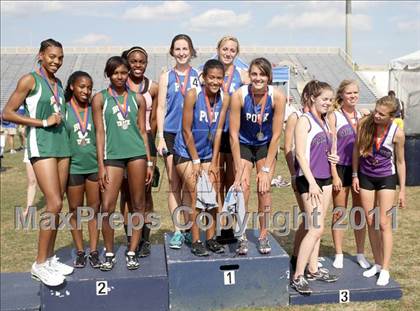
[
  {"x": 149, "y": 164},
  {"x": 354, "y": 175},
  {"x": 265, "y": 169},
  {"x": 197, "y": 161},
  {"x": 159, "y": 135},
  {"x": 44, "y": 123}
]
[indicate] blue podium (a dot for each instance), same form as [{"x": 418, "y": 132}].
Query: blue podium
[
  {"x": 92, "y": 289},
  {"x": 227, "y": 280},
  {"x": 351, "y": 286},
  {"x": 19, "y": 292}
]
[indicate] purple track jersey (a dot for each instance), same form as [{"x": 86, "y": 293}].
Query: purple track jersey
[
  {"x": 346, "y": 136},
  {"x": 381, "y": 163},
  {"x": 318, "y": 144}
]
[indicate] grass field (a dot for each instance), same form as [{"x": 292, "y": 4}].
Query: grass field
[{"x": 18, "y": 247}]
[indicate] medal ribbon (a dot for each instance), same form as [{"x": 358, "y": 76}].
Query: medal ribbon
[
  {"x": 210, "y": 110},
  {"x": 183, "y": 86},
  {"x": 264, "y": 102},
  {"x": 349, "y": 121},
  {"x": 323, "y": 126},
  {"x": 82, "y": 123},
  {"x": 53, "y": 91},
  {"x": 131, "y": 86},
  {"x": 226, "y": 86},
  {"x": 122, "y": 108},
  {"x": 377, "y": 146}
]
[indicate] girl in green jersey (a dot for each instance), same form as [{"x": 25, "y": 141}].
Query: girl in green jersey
[
  {"x": 83, "y": 177},
  {"x": 121, "y": 142},
  {"x": 48, "y": 150}
]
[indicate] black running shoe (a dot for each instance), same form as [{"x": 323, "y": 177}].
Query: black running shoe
[
  {"x": 301, "y": 285},
  {"x": 144, "y": 249},
  {"x": 109, "y": 262},
  {"x": 198, "y": 249},
  {"x": 321, "y": 275},
  {"x": 214, "y": 246},
  {"x": 80, "y": 261},
  {"x": 94, "y": 260},
  {"x": 132, "y": 261}
]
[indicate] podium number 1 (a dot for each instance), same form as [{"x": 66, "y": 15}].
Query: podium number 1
[
  {"x": 229, "y": 277},
  {"x": 101, "y": 288},
  {"x": 344, "y": 296}
]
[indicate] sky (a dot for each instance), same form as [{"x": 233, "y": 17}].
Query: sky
[{"x": 381, "y": 30}]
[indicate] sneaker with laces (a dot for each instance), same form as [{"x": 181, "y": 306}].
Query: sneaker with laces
[
  {"x": 301, "y": 285},
  {"x": 177, "y": 240},
  {"x": 132, "y": 261},
  {"x": 321, "y": 275},
  {"x": 144, "y": 249},
  {"x": 198, "y": 249},
  {"x": 242, "y": 248},
  {"x": 94, "y": 260},
  {"x": 264, "y": 246},
  {"x": 59, "y": 266},
  {"x": 214, "y": 246},
  {"x": 188, "y": 237},
  {"x": 43, "y": 272},
  {"x": 80, "y": 261},
  {"x": 109, "y": 262}
]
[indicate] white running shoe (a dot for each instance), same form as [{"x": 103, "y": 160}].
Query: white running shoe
[
  {"x": 361, "y": 260},
  {"x": 383, "y": 279},
  {"x": 59, "y": 266},
  {"x": 338, "y": 261},
  {"x": 372, "y": 271},
  {"x": 43, "y": 272}
]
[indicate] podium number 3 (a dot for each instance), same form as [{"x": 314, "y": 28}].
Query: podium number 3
[
  {"x": 101, "y": 288},
  {"x": 229, "y": 277},
  {"x": 344, "y": 296}
]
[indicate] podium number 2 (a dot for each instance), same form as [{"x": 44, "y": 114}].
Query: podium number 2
[
  {"x": 229, "y": 277},
  {"x": 344, "y": 296},
  {"x": 101, "y": 288}
]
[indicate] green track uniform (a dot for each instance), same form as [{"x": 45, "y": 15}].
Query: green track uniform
[
  {"x": 49, "y": 142},
  {"x": 122, "y": 136},
  {"x": 82, "y": 145}
]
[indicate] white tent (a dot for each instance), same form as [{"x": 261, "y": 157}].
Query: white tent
[{"x": 404, "y": 79}]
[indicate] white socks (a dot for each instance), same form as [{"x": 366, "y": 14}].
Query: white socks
[
  {"x": 383, "y": 278},
  {"x": 362, "y": 261},
  {"x": 372, "y": 271},
  {"x": 338, "y": 261}
]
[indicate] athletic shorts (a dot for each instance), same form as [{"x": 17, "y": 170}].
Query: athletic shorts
[
  {"x": 377, "y": 183},
  {"x": 10, "y": 131},
  {"x": 33, "y": 160},
  {"x": 123, "y": 162},
  {"x": 170, "y": 141},
  {"x": 179, "y": 160},
  {"x": 302, "y": 184},
  {"x": 344, "y": 172},
  {"x": 152, "y": 145},
  {"x": 253, "y": 153},
  {"x": 225, "y": 143},
  {"x": 79, "y": 179}
]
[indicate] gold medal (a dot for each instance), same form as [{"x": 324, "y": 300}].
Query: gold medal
[
  {"x": 83, "y": 142},
  {"x": 260, "y": 136}
]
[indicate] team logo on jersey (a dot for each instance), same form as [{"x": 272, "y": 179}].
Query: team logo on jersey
[
  {"x": 253, "y": 117},
  {"x": 203, "y": 116},
  {"x": 121, "y": 122},
  {"x": 82, "y": 139},
  {"x": 56, "y": 106}
]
